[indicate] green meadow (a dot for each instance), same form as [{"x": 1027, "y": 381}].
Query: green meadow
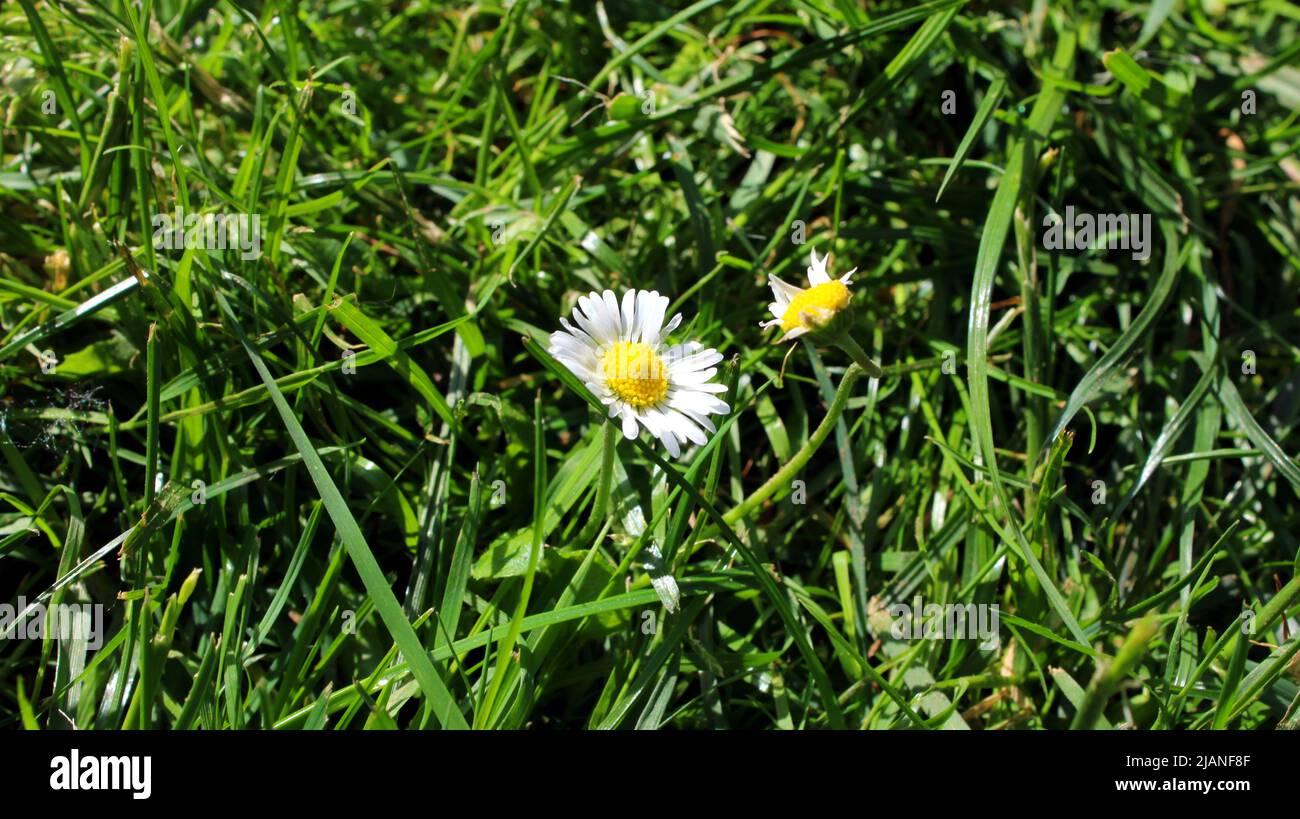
[{"x": 287, "y": 441}]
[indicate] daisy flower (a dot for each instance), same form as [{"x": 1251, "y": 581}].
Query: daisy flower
[
  {"x": 619, "y": 352},
  {"x": 799, "y": 310},
  {"x": 820, "y": 309}
]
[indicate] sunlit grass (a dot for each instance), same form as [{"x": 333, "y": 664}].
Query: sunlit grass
[{"x": 337, "y": 481}]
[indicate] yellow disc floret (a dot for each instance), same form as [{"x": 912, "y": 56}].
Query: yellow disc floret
[
  {"x": 831, "y": 296},
  {"x": 635, "y": 373}
]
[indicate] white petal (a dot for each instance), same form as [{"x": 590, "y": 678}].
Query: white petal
[
  {"x": 629, "y": 423},
  {"x": 605, "y": 326},
  {"x": 611, "y": 312},
  {"x": 629, "y": 315},
  {"x": 702, "y": 420},
  {"x": 696, "y": 378},
  {"x": 578, "y": 368},
  {"x": 653, "y": 422},
  {"x": 817, "y": 270},
  {"x": 673, "y": 324},
  {"x": 589, "y": 316},
  {"x": 676, "y": 352},
  {"x": 571, "y": 346},
  {"x": 651, "y": 306},
  {"x": 685, "y": 428},
  {"x": 695, "y": 362},
  {"x": 578, "y": 333},
  {"x": 663, "y": 430},
  {"x": 696, "y": 401},
  {"x": 712, "y": 386},
  {"x": 784, "y": 292},
  {"x": 669, "y": 440}
]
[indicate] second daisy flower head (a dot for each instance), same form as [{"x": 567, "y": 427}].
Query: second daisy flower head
[
  {"x": 801, "y": 310},
  {"x": 619, "y": 351}
]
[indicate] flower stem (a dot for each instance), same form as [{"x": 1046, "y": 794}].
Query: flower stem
[
  {"x": 609, "y": 443},
  {"x": 859, "y": 356},
  {"x": 783, "y": 475}
]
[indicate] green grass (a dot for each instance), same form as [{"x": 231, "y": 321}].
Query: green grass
[{"x": 342, "y": 484}]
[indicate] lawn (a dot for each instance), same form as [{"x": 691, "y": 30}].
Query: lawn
[{"x": 309, "y": 420}]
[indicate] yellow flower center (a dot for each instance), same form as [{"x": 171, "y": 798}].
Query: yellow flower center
[
  {"x": 831, "y": 295},
  {"x": 635, "y": 373}
]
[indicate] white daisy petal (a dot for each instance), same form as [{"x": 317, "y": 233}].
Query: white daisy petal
[
  {"x": 672, "y": 324},
  {"x": 601, "y": 315},
  {"x": 662, "y": 428},
  {"x": 650, "y": 421},
  {"x": 817, "y": 270},
  {"x": 629, "y": 423},
  {"x": 578, "y": 333},
  {"x": 711, "y": 386},
  {"x": 701, "y": 403},
  {"x": 677, "y": 353},
  {"x": 669, "y": 441},
  {"x": 652, "y": 321},
  {"x": 583, "y": 317},
  {"x": 578, "y": 368},
  {"x": 611, "y": 312},
  {"x": 690, "y": 379},
  {"x": 563, "y": 344},
  {"x": 702, "y": 420},
  {"x": 629, "y": 315},
  {"x": 695, "y": 361},
  {"x": 785, "y": 293},
  {"x": 593, "y": 311},
  {"x": 684, "y": 427}
]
